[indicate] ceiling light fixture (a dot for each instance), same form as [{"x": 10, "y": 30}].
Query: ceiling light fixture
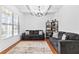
[{"x": 39, "y": 11}]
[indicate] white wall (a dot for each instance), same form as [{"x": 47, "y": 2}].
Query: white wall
[
  {"x": 69, "y": 18},
  {"x": 22, "y": 23},
  {"x": 30, "y": 22}
]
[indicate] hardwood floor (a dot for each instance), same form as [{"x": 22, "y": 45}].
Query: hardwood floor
[
  {"x": 9, "y": 48},
  {"x": 51, "y": 47}
]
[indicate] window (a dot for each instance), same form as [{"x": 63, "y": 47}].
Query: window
[
  {"x": 6, "y": 21},
  {"x": 9, "y": 24},
  {"x": 16, "y": 25}
]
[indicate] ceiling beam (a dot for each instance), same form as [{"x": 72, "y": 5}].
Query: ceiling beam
[
  {"x": 29, "y": 9},
  {"x": 48, "y": 10}
]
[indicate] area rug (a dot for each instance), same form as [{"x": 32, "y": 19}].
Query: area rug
[{"x": 31, "y": 47}]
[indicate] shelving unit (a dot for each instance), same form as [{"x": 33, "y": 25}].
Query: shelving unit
[{"x": 51, "y": 26}]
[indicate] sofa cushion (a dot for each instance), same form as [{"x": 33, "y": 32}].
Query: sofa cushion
[
  {"x": 69, "y": 35},
  {"x": 33, "y": 34},
  {"x": 72, "y": 36}
]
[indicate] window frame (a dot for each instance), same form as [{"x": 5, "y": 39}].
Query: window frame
[{"x": 9, "y": 24}]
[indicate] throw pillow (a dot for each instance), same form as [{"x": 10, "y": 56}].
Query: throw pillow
[
  {"x": 55, "y": 34},
  {"x": 40, "y": 32},
  {"x": 63, "y": 36},
  {"x": 27, "y": 32}
]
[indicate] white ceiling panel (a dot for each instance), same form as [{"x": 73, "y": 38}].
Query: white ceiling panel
[{"x": 24, "y": 9}]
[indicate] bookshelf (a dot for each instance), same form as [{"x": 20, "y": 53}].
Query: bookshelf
[{"x": 51, "y": 26}]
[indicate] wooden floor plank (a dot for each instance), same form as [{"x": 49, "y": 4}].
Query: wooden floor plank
[
  {"x": 9, "y": 48},
  {"x": 51, "y": 47}
]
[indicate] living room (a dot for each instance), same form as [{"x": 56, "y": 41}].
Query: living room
[{"x": 66, "y": 15}]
